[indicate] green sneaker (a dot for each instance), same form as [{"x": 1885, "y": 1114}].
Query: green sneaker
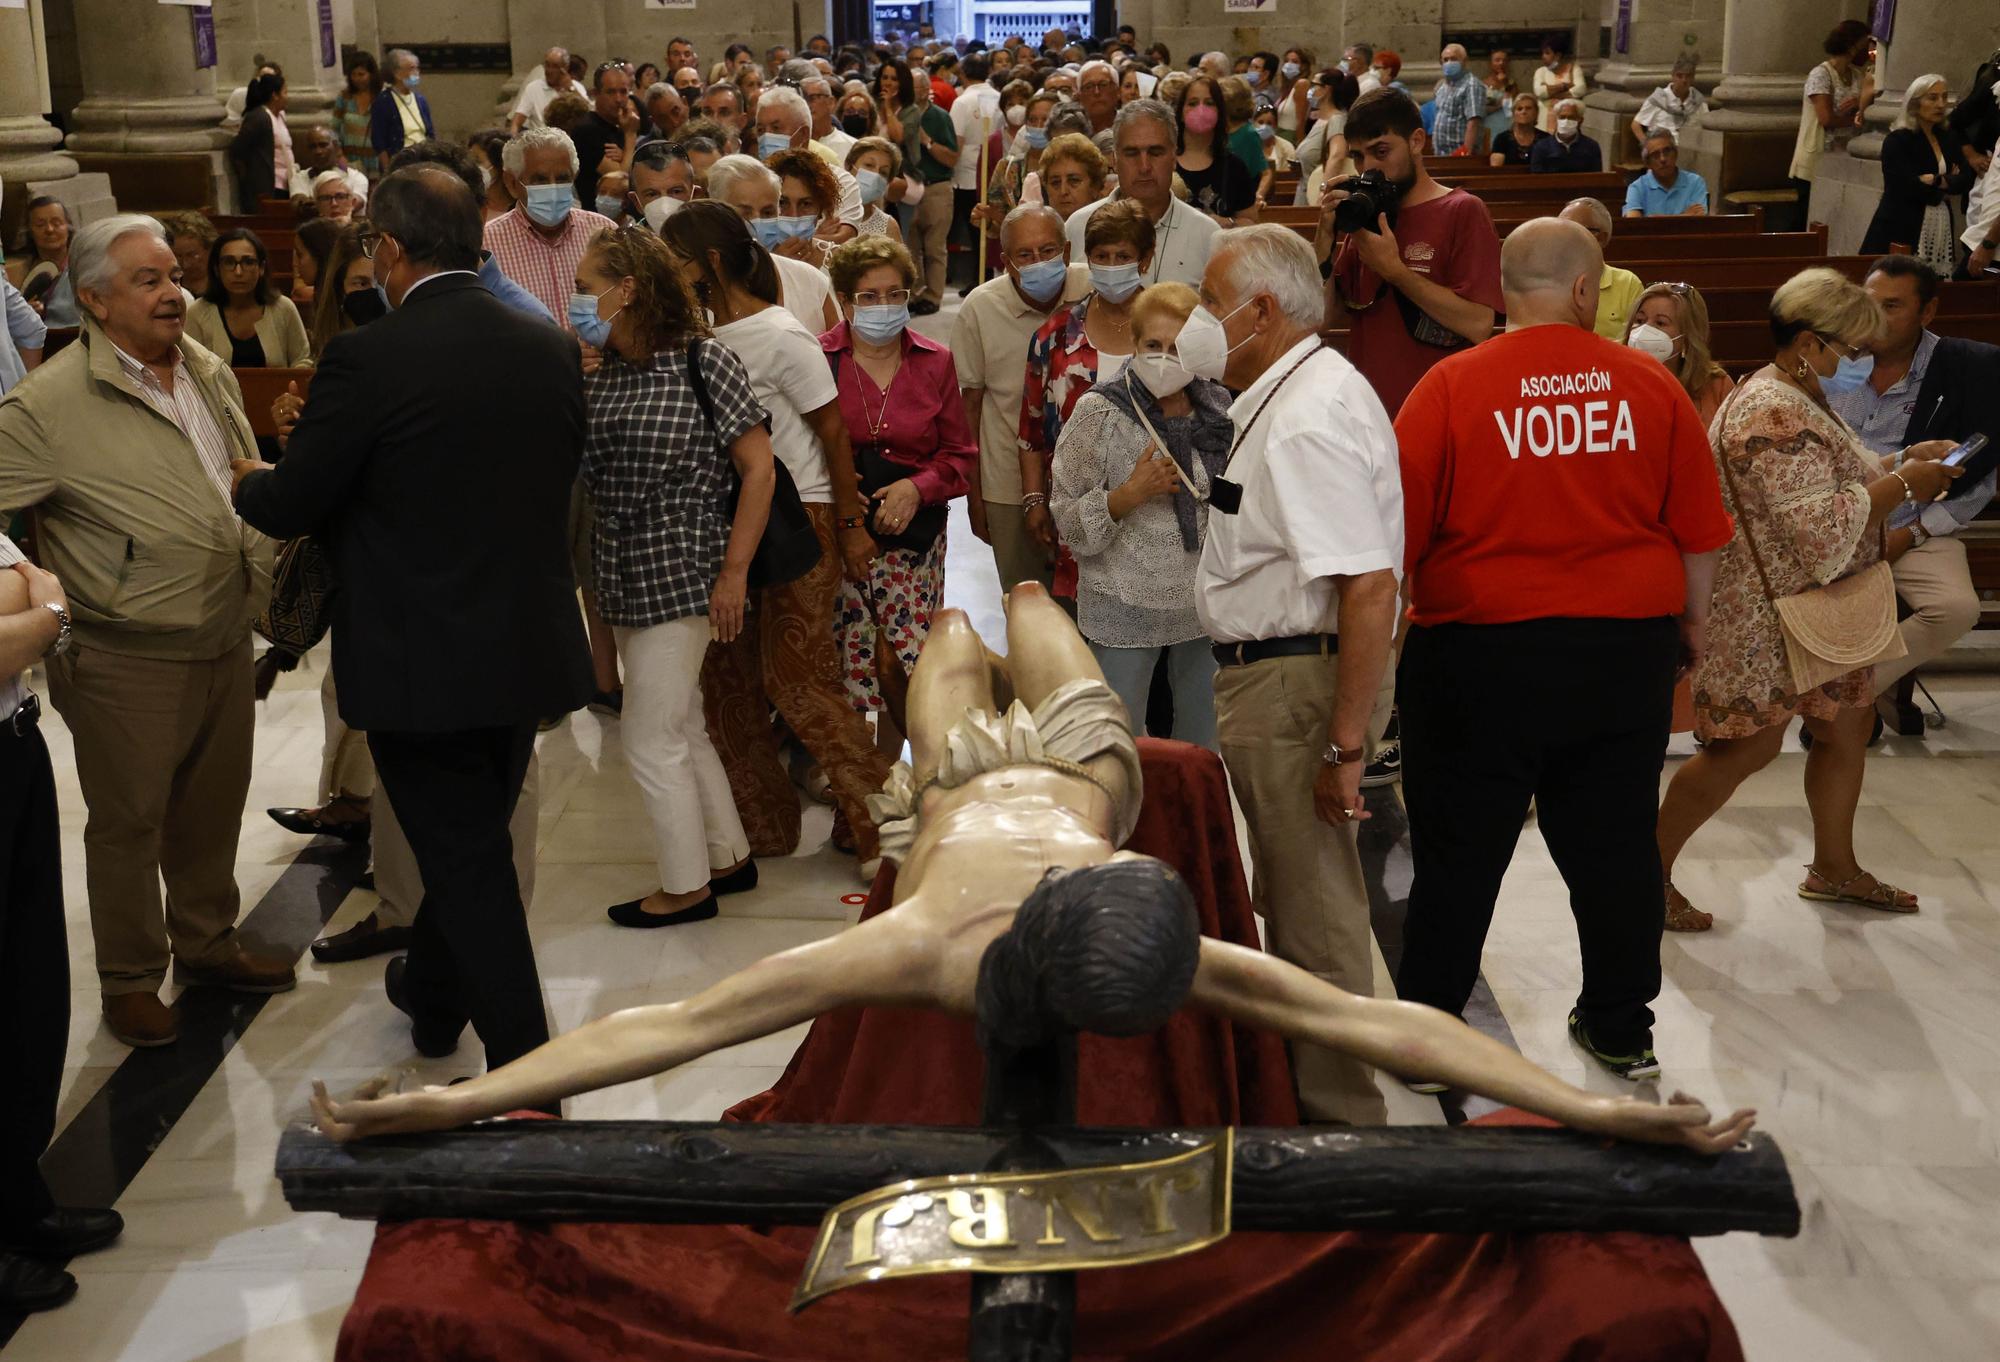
[{"x": 1635, "y": 1067}]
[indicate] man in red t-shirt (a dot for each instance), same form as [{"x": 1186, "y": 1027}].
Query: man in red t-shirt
[
  {"x": 1426, "y": 283},
  {"x": 1561, "y": 524}
]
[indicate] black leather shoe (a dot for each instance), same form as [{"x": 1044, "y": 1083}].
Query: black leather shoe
[
  {"x": 434, "y": 1038},
  {"x": 314, "y": 823},
  {"x": 27, "y": 1286},
  {"x": 633, "y": 915},
  {"x": 738, "y": 881},
  {"x": 65, "y": 1232},
  {"x": 365, "y": 938}
]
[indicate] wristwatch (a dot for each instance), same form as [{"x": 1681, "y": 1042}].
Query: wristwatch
[
  {"x": 61, "y": 643},
  {"x": 1336, "y": 755}
]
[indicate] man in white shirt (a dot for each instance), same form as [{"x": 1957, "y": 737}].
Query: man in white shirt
[
  {"x": 827, "y": 135},
  {"x": 539, "y": 90},
  {"x": 1297, "y": 589},
  {"x": 319, "y": 153},
  {"x": 975, "y": 115},
  {"x": 989, "y": 343},
  {"x": 1143, "y": 142},
  {"x": 784, "y": 122}
]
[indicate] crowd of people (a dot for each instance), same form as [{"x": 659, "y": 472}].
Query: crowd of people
[{"x": 620, "y": 405}]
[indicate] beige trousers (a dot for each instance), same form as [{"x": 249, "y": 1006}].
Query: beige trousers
[
  {"x": 1934, "y": 579},
  {"x": 1272, "y": 719},
  {"x": 1015, "y": 552},
  {"x": 932, "y": 225},
  {"x": 397, "y": 883},
  {"x": 163, "y": 756},
  {"x": 345, "y": 768}
]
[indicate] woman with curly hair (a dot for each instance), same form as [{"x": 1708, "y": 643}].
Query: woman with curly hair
[{"x": 808, "y": 206}]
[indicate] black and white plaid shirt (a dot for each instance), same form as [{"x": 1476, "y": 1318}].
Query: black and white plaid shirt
[{"x": 661, "y": 478}]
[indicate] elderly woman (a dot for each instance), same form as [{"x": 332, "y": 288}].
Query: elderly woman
[
  {"x": 788, "y": 661},
  {"x": 808, "y": 208},
  {"x": 1239, "y": 108},
  {"x": 1921, "y": 173},
  {"x": 858, "y": 117},
  {"x": 876, "y": 164},
  {"x": 753, "y": 189},
  {"x": 1673, "y": 106},
  {"x": 240, "y": 316},
  {"x": 47, "y": 285},
  {"x": 1081, "y": 344},
  {"x": 1129, "y": 495},
  {"x": 1072, "y": 173},
  {"x": 1670, "y": 323},
  {"x": 1810, "y": 504},
  {"x": 190, "y": 234},
  {"x": 914, "y": 453}
]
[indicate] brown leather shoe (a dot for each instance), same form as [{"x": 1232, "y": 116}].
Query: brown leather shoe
[
  {"x": 242, "y": 972},
  {"x": 141, "y": 1020}
]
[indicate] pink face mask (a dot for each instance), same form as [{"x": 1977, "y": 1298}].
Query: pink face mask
[{"x": 1199, "y": 117}]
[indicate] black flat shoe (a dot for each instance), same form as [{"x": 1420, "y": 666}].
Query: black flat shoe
[
  {"x": 27, "y": 1286},
  {"x": 365, "y": 938},
  {"x": 65, "y": 1232},
  {"x": 312, "y": 823},
  {"x": 632, "y": 915},
  {"x": 434, "y": 1038},
  {"x": 610, "y": 703},
  {"x": 738, "y": 881}
]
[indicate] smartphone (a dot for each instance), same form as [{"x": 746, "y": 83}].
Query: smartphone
[{"x": 1965, "y": 451}]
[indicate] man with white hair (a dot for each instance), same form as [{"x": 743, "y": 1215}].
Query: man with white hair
[
  {"x": 1569, "y": 152},
  {"x": 552, "y": 80},
  {"x": 1665, "y": 190},
  {"x": 1143, "y": 145},
  {"x": 1460, "y": 106},
  {"x": 666, "y": 108},
  {"x": 1216, "y": 65},
  {"x": 1564, "y": 520},
  {"x": 123, "y": 445},
  {"x": 1297, "y": 590},
  {"x": 827, "y": 135},
  {"x": 539, "y": 241},
  {"x": 784, "y": 123},
  {"x": 1618, "y": 289},
  {"x": 1097, "y": 91}
]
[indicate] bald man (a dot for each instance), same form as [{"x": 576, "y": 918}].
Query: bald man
[
  {"x": 1618, "y": 289},
  {"x": 1562, "y": 520},
  {"x": 553, "y": 79}
]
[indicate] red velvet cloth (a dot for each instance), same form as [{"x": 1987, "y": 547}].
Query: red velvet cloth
[{"x": 454, "y": 1290}]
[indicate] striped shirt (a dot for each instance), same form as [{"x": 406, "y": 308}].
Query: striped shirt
[
  {"x": 545, "y": 266},
  {"x": 191, "y": 415}
]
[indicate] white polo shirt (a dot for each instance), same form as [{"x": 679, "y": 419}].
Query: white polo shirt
[
  {"x": 977, "y": 107},
  {"x": 533, "y": 105},
  {"x": 1322, "y": 498},
  {"x": 1181, "y": 241},
  {"x": 989, "y": 344}
]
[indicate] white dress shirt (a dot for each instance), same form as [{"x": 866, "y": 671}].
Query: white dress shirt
[
  {"x": 1182, "y": 240},
  {"x": 1322, "y": 498},
  {"x": 976, "y": 110},
  {"x": 13, "y": 689}
]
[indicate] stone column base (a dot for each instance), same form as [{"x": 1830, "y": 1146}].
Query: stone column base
[
  {"x": 187, "y": 123},
  {"x": 31, "y": 149},
  {"x": 88, "y": 196}
]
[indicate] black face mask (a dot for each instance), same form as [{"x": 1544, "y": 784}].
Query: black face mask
[
  {"x": 854, "y": 125},
  {"x": 365, "y": 305}
]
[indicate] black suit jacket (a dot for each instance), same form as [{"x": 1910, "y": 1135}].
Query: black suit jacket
[
  {"x": 252, "y": 156},
  {"x": 1960, "y": 396},
  {"x": 434, "y": 460},
  {"x": 1899, "y": 216}
]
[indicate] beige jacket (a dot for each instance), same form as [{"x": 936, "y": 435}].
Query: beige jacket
[
  {"x": 280, "y": 329},
  {"x": 154, "y": 563}
]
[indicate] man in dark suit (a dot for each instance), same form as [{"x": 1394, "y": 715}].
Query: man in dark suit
[{"x": 455, "y": 624}]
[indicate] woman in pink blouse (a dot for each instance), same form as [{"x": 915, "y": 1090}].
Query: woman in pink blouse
[{"x": 913, "y": 453}]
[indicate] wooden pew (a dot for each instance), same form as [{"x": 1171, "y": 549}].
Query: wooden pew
[
  {"x": 1743, "y": 347},
  {"x": 1751, "y": 303},
  {"x": 1632, "y": 250},
  {"x": 262, "y": 387}
]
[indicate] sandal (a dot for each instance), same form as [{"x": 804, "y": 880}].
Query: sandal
[
  {"x": 1886, "y": 897},
  {"x": 1683, "y": 916}
]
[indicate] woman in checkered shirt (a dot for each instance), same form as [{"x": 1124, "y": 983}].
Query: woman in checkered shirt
[{"x": 671, "y": 567}]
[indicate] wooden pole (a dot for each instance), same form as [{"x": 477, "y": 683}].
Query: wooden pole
[{"x": 985, "y": 170}]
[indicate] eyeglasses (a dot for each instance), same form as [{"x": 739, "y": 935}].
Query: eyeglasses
[
  {"x": 894, "y": 297},
  {"x": 1844, "y": 351},
  {"x": 238, "y": 262}
]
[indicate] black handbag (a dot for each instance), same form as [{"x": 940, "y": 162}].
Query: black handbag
[
  {"x": 790, "y": 546},
  {"x": 874, "y": 470}
]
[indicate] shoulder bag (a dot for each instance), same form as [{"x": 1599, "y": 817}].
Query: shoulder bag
[
  {"x": 874, "y": 470},
  {"x": 790, "y": 546},
  {"x": 1828, "y": 630}
]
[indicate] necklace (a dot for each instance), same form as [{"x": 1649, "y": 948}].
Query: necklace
[{"x": 880, "y": 417}]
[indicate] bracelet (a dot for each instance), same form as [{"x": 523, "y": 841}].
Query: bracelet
[
  {"x": 1909, "y": 493},
  {"x": 1030, "y": 500},
  {"x": 853, "y": 522}
]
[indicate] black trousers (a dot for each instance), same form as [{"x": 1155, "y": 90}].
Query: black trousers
[
  {"x": 34, "y": 973},
  {"x": 470, "y": 958},
  {"x": 1575, "y": 714}
]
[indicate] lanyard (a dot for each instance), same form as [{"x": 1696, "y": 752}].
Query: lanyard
[
  {"x": 1139, "y": 410},
  {"x": 1244, "y": 433}
]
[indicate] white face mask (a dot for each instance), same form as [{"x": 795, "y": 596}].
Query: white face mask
[
  {"x": 659, "y": 210},
  {"x": 1203, "y": 344},
  {"x": 1566, "y": 128},
  {"x": 1162, "y": 374},
  {"x": 1651, "y": 340},
  {"x": 1017, "y": 115}
]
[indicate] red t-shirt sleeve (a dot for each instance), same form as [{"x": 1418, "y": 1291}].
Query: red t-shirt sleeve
[
  {"x": 1694, "y": 513},
  {"x": 1472, "y": 265},
  {"x": 1358, "y": 286},
  {"x": 1422, "y": 428}
]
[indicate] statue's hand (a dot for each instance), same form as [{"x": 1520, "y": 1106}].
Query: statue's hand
[
  {"x": 1682, "y": 1121},
  {"x": 368, "y": 1113}
]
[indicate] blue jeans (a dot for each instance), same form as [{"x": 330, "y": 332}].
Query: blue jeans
[{"x": 1190, "y": 674}]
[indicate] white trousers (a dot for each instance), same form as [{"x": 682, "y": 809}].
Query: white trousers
[
  {"x": 345, "y": 768},
  {"x": 397, "y": 883},
  {"x": 667, "y": 747}
]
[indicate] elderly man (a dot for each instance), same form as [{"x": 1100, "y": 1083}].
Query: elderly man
[
  {"x": 1665, "y": 190},
  {"x": 319, "y": 152},
  {"x": 750, "y": 187},
  {"x": 403, "y": 119},
  {"x": 722, "y": 102},
  {"x": 1097, "y": 91},
  {"x": 1060, "y": 82},
  {"x": 539, "y": 89},
  {"x": 784, "y": 123},
  {"x": 989, "y": 341},
  {"x": 1673, "y": 106},
  {"x": 539, "y": 241},
  {"x": 1458, "y": 126},
  {"x": 1569, "y": 152},
  {"x": 1356, "y": 61},
  {"x": 827, "y": 135},
  {"x": 1297, "y": 589},
  {"x": 1143, "y": 144},
  {"x": 662, "y": 181},
  {"x": 604, "y": 141},
  {"x": 1564, "y": 520},
  {"x": 665, "y": 107},
  {"x": 1618, "y": 289},
  {"x": 1216, "y": 65},
  {"x": 123, "y": 443}
]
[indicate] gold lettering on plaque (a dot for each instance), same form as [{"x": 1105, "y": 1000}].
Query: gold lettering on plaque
[
  {"x": 1156, "y": 1190},
  {"x": 1084, "y": 1205},
  {"x": 980, "y": 1225}
]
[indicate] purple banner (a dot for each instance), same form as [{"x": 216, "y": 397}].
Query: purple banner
[
  {"x": 1882, "y": 19},
  {"x": 328, "y": 54},
  {"x": 1621, "y": 32},
  {"x": 203, "y": 19}
]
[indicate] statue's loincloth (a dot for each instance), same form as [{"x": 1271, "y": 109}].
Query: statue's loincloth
[{"x": 1076, "y": 723}]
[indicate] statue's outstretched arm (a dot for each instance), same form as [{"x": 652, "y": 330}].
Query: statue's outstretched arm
[
  {"x": 884, "y": 960},
  {"x": 1411, "y": 1040}
]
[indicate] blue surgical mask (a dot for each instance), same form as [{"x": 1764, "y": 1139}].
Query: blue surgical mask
[
  {"x": 1266, "y": 132},
  {"x": 1043, "y": 280},
  {"x": 1851, "y": 374},
  {"x": 1036, "y": 138},
  {"x": 771, "y": 143},
  {"x": 883, "y": 322},
  {"x": 768, "y": 231},
  {"x": 549, "y": 204},
  {"x": 1254, "y": 77},
  {"x": 1290, "y": 70},
  {"x": 413, "y": 80},
  {"x": 592, "y": 329},
  {"x": 1115, "y": 282},
  {"x": 795, "y": 228},
  {"x": 872, "y": 185},
  {"x": 610, "y": 205},
  {"x": 1453, "y": 70}
]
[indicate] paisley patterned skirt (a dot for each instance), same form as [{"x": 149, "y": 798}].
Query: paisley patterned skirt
[{"x": 903, "y": 592}]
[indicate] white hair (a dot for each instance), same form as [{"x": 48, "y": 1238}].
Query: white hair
[
  {"x": 659, "y": 89},
  {"x": 1029, "y": 212},
  {"x": 90, "y": 263},
  {"x": 1919, "y": 87},
  {"x": 1280, "y": 263},
  {"x": 786, "y": 98},
  {"x": 514, "y": 154},
  {"x": 394, "y": 58},
  {"x": 727, "y": 172}
]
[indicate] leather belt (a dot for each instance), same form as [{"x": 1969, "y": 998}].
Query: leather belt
[
  {"x": 1299, "y": 645},
  {"x": 24, "y": 719}
]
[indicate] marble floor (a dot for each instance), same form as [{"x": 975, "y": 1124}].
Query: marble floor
[{"x": 1869, "y": 1044}]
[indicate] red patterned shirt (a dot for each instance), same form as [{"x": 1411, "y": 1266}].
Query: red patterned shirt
[{"x": 543, "y": 265}]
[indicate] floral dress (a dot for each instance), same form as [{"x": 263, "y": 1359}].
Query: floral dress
[
  {"x": 350, "y": 125},
  {"x": 1796, "y": 478},
  {"x": 1062, "y": 366}
]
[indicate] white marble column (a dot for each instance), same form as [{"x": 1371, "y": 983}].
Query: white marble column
[
  {"x": 1661, "y": 32},
  {"x": 286, "y": 32},
  {"x": 142, "y": 90},
  {"x": 30, "y": 146}
]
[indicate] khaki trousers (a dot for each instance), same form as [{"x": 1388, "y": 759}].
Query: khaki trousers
[
  {"x": 1934, "y": 579},
  {"x": 928, "y": 242},
  {"x": 1272, "y": 719},
  {"x": 163, "y": 756},
  {"x": 1015, "y": 552},
  {"x": 345, "y": 768},
  {"x": 400, "y": 886}
]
